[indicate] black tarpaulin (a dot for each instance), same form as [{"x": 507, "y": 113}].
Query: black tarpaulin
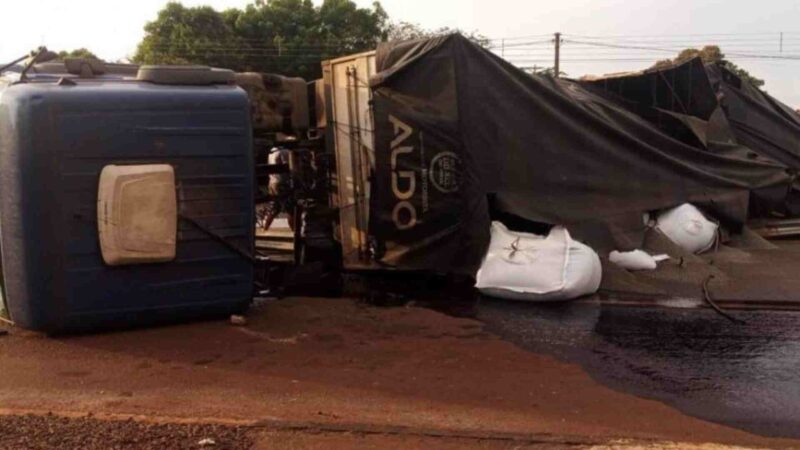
[
  {"x": 735, "y": 111},
  {"x": 455, "y": 125},
  {"x": 759, "y": 121}
]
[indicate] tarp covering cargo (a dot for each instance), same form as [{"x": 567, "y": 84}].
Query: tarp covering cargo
[
  {"x": 721, "y": 107},
  {"x": 458, "y": 129}
]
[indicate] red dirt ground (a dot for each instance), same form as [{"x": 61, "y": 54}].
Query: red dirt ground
[{"x": 320, "y": 373}]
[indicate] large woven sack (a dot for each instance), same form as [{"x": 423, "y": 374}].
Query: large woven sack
[
  {"x": 688, "y": 228},
  {"x": 530, "y": 267}
]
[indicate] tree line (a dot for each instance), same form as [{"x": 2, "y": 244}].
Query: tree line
[
  {"x": 710, "y": 54},
  {"x": 291, "y": 37}
]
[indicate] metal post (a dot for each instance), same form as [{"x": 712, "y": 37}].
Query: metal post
[
  {"x": 355, "y": 157},
  {"x": 557, "y": 66},
  {"x": 12, "y": 63}
]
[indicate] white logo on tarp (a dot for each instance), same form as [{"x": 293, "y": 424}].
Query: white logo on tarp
[
  {"x": 404, "y": 182},
  {"x": 445, "y": 172}
]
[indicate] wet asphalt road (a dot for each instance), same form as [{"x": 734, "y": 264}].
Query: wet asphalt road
[{"x": 746, "y": 376}]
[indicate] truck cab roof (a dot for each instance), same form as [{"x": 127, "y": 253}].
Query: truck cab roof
[{"x": 80, "y": 70}]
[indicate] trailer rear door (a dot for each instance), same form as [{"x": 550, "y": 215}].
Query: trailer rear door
[{"x": 350, "y": 118}]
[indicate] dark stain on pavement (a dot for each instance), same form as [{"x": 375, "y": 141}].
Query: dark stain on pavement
[{"x": 746, "y": 376}]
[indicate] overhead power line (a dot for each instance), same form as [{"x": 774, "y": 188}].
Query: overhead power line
[
  {"x": 675, "y": 50},
  {"x": 671, "y": 35},
  {"x": 522, "y": 44},
  {"x": 524, "y": 51}
]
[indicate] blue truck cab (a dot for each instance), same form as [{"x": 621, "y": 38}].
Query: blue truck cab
[{"x": 80, "y": 145}]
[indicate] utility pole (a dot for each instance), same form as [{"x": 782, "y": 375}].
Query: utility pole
[
  {"x": 503, "y": 48},
  {"x": 780, "y": 50},
  {"x": 557, "y": 66}
]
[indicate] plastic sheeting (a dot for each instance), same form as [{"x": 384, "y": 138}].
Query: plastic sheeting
[
  {"x": 636, "y": 259},
  {"x": 456, "y": 126}
]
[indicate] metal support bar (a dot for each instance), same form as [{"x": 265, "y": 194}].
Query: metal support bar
[{"x": 557, "y": 65}]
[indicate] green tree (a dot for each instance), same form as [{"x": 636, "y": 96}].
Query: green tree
[
  {"x": 710, "y": 54},
  {"x": 199, "y": 35},
  {"x": 290, "y": 37},
  {"x": 77, "y": 53}
]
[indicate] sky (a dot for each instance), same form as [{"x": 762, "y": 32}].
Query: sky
[{"x": 598, "y": 35}]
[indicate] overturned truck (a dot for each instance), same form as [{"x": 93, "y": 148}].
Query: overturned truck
[
  {"x": 147, "y": 179},
  {"x": 462, "y": 138},
  {"x": 126, "y": 192},
  {"x": 481, "y": 136}
]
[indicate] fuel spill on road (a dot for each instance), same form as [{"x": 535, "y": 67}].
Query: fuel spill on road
[{"x": 743, "y": 376}]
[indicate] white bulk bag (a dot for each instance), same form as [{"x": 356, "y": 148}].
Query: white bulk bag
[
  {"x": 524, "y": 266},
  {"x": 687, "y": 227}
]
